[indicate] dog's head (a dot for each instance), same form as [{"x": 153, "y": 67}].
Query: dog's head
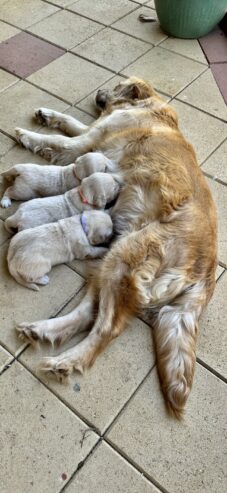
[
  {"x": 99, "y": 227},
  {"x": 99, "y": 189},
  {"x": 129, "y": 91}
]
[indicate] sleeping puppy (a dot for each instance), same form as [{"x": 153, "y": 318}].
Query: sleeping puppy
[
  {"x": 33, "y": 252},
  {"x": 29, "y": 181},
  {"x": 94, "y": 192}
]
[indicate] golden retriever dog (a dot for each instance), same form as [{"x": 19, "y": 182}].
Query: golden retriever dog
[
  {"x": 95, "y": 192},
  {"x": 165, "y": 257},
  {"x": 34, "y": 251},
  {"x": 28, "y": 181}
]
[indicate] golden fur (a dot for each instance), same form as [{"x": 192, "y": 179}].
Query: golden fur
[{"x": 164, "y": 259}]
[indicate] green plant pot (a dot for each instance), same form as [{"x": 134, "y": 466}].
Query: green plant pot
[{"x": 189, "y": 18}]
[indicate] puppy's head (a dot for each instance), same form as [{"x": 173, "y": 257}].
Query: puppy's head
[
  {"x": 99, "y": 227},
  {"x": 129, "y": 91},
  {"x": 99, "y": 189}
]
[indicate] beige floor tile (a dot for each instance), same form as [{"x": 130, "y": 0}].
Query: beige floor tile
[
  {"x": 203, "y": 131},
  {"x": 103, "y": 11},
  {"x": 66, "y": 29},
  {"x": 106, "y": 471},
  {"x": 6, "y": 80},
  {"x": 4, "y": 235},
  {"x": 5, "y": 358},
  {"x": 167, "y": 71},
  {"x": 42, "y": 438},
  {"x": 216, "y": 163},
  {"x": 105, "y": 48},
  {"x": 219, "y": 193},
  {"x": 149, "y": 32},
  {"x": 212, "y": 343},
  {"x": 20, "y": 304},
  {"x": 23, "y": 13},
  {"x": 70, "y": 77},
  {"x": 7, "y": 31},
  {"x": 5, "y": 144},
  {"x": 187, "y": 47},
  {"x": 18, "y": 104},
  {"x": 88, "y": 104},
  {"x": 182, "y": 457},
  {"x": 204, "y": 94},
  {"x": 102, "y": 391}
]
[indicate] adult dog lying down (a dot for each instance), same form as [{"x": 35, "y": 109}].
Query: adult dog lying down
[{"x": 165, "y": 258}]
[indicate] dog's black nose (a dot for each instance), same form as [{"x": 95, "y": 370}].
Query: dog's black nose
[{"x": 101, "y": 99}]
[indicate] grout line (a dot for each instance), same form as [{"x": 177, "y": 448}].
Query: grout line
[
  {"x": 211, "y": 370},
  {"x": 220, "y": 275},
  {"x": 184, "y": 56},
  {"x": 214, "y": 150},
  {"x": 102, "y": 436},
  {"x": 136, "y": 466},
  {"x": 214, "y": 178},
  {"x": 197, "y": 108}
]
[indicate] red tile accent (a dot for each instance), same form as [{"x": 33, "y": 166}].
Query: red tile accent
[
  {"x": 214, "y": 46},
  {"x": 220, "y": 74},
  {"x": 24, "y": 54}
]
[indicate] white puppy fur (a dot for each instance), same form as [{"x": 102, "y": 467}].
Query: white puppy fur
[
  {"x": 94, "y": 192},
  {"x": 28, "y": 181},
  {"x": 33, "y": 252}
]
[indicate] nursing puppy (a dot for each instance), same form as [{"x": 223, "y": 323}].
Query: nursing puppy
[
  {"x": 33, "y": 252},
  {"x": 29, "y": 181},
  {"x": 165, "y": 257},
  {"x": 94, "y": 192}
]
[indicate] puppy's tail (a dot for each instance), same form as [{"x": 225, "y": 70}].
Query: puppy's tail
[
  {"x": 175, "y": 336},
  {"x": 20, "y": 279}
]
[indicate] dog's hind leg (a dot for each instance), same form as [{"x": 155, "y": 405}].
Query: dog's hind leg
[
  {"x": 119, "y": 300},
  {"x": 58, "y": 330},
  {"x": 71, "y": 126}
]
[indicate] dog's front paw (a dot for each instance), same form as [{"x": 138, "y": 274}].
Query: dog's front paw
[
  {"x": 22, "y": 137},
  {"x": 47, "y": 117}
]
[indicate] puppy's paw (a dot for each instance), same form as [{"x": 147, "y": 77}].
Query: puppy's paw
[{"x": 6, "y": 202}]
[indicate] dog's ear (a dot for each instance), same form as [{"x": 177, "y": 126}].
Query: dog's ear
[{"x": 132, "y": 91}]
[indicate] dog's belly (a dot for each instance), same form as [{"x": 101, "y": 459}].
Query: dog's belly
[{"x": 134, "y": 209}]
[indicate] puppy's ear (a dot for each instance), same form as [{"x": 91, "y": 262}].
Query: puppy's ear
[{"x": 135, "y": 91}]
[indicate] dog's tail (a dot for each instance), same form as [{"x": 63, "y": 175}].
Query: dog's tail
[{"x": 175, "y": 336}]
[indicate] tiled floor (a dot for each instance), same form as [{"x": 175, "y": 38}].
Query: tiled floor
[{"x": 106, "y": 431}]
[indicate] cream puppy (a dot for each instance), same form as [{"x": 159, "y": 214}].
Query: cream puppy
[
  {"x": 33, "y": 252},
  {"x": 28, "y": 181},
  {"x": 94, "y": 192}
]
